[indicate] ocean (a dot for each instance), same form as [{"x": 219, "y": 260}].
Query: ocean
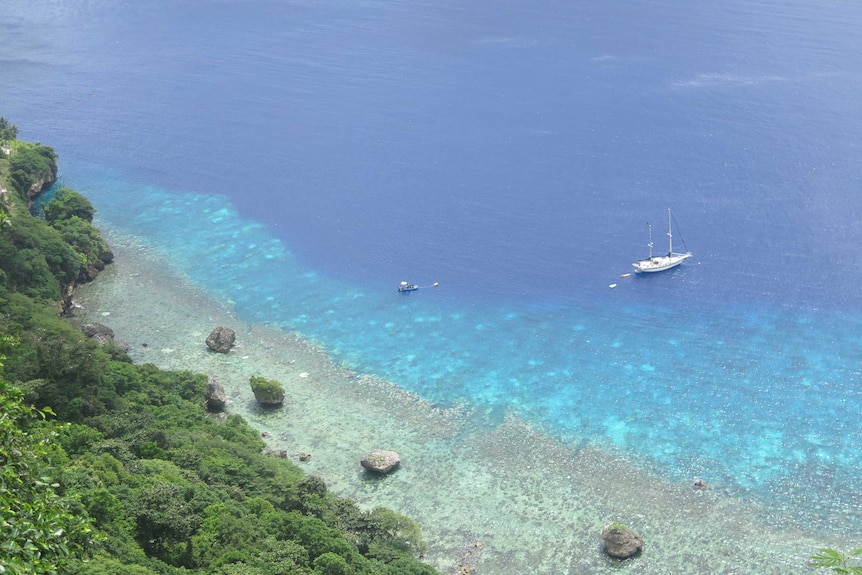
[{"x": 300, "y": 159}]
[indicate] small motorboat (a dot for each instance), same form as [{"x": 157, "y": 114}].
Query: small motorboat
[{"x": 405, "y": 287}]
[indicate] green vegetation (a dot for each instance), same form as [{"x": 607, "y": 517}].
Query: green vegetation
[
  {"x": 8, "y": 131},
  {"x": 29, "y": 165},
  {"x": 67, "y": 204},
  {"x": 40, "y": 530},
  {"x": 109, "y": 467},
  {"x": 838, "y": 562},
  {"x": 267, "y": 391},
  {"x": 42, "y": 257}
]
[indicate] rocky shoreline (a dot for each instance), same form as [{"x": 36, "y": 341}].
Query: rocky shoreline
[{"x": 495, "y": 499}]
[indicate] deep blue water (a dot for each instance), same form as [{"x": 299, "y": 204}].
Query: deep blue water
[{"x": 302, "y": 158}]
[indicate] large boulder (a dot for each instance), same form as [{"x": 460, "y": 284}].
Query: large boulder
[
  {"x": 101, "y": 333},
  {"x": 268, "y": 392},
  {"x": 221, "y": 339},
  {"x": 380, "y": 461},
  {"x": 621, "y": 542},
  {"x": 216, "y": 398}
]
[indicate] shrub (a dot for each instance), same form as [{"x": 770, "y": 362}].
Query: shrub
[{"x": 66, "y": 204}]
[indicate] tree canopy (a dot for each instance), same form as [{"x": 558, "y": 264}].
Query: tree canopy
[
  {"x": 66, "y": 204},
  {"x": 8, "y": 131},
  {"x": 30, "y": 164}
]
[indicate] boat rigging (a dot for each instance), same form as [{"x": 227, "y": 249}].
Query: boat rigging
[{"x": 661, "y": 263}]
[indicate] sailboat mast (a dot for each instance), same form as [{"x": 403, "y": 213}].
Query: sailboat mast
[
  {"x": 650, "y": 240},
  {"x": 669, "y": 234}
]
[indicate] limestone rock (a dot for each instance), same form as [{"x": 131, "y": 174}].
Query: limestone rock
[
  {"x": 91, "y": 270},
  {"x": 380, "y": 461},
  {"x": 268, "y": 393},
  {"x": 621, "y": 542},
  {"x": 216, "y": 398},
  {"x": 43, "y": 181},
  {"x": 106, "y": 257},
  {"x": 101, "y": 333},
  {"x": 221, "y": 339}
]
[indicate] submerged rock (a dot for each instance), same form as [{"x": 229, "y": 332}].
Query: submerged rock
[
  {"x": 621, "y": 542},
  {"x": 469, "y": 559},
  {"x": 380, "y": 461},
  {"x": 221, "y": 339}
]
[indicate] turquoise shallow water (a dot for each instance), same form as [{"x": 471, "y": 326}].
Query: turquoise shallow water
[
  {"x": 760, "y": 403},
  {"x": 479, "y": 482}
]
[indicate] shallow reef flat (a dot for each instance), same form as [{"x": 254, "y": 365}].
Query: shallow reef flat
[{"x": 487, "y": 489}]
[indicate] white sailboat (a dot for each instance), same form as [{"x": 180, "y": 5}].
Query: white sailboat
[{"x": 661, "y": 263}]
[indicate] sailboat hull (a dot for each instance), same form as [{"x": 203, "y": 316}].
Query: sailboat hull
[{"x": 660, "y": 263}]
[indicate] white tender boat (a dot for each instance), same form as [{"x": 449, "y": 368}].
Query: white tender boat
[{"x": 661, "y": 263}]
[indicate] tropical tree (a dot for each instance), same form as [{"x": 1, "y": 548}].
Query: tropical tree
[
  {"x": 66, "y": 204},
  {"x": 8, "y": 131},
  {"x": 838, "y": 562},
  {"x": 41, "y": 533}
]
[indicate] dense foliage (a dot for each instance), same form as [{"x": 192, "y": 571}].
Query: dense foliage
[
  {"x": 66, "y": 204},
  {"x": 42, "y": 257},
  {"x": 8, "y": 131},
  {"x": 110, "y": 467},
  {"x": 41, "y": 533},
  {"x": 30, "y": 164}
]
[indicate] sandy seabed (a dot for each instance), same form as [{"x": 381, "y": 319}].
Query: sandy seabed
[{"x": 500, "y": 496}]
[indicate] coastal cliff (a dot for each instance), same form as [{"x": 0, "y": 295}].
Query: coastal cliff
[
  {"x": 52, "y": 249},
  {"x": 42, "y": 180}
]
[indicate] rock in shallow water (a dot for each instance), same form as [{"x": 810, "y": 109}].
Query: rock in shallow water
[
  {"x": 380, "y": 461},
  {"x": 221, "y": 339},
  {"x": 621, "y": 542}
]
